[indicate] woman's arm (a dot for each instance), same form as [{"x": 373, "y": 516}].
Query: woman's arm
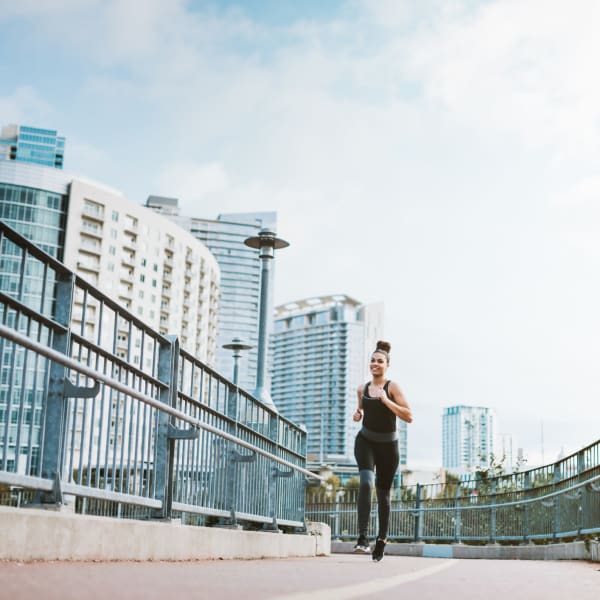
[
  {"x": 359, "y": 411},
  {"x": 396, "y": 402}
]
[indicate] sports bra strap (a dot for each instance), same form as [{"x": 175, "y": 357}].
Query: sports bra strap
[{"x": 366, "y": 388}]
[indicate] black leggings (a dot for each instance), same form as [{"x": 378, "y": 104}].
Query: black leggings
[{"x": 383, "y": 458}]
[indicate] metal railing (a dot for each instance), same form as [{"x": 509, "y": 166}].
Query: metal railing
[
  {"x": 96, "y": 405},
  {"x": 560, "y": 500}
]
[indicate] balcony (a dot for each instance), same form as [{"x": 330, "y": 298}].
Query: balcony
[
  {"x": 88, "y": 267},
  {"x": 130, "y": 242},
  {"x": 131, "y": 226},
  {"x": 95, "y": 212},
  {"x": 128, "y": 260}
]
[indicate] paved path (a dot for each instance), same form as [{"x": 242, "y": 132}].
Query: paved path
[{"x": 338, "y": 577}]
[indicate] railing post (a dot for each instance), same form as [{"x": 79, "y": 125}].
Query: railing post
[
  {"x": 457, "y": 515},
  {"x": 231, "y": 455},
  {"x": 418, "y": 515},
  {"x": 580, "y": 462},
  {"x": 493, "y": 513},
  {"x": 55, "y": 421},
  {"x": 526, "y": 509},
  {"x": 168, "y": 369},
  {"x": 336, "y": 518},
  {"x": 556, "y": 516},
  {"x": 556, "y": 475}
]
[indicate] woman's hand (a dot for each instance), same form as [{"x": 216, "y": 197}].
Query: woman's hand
[
  {"x": 380, "y": 393},
  {"x": 357, "y": 415}
]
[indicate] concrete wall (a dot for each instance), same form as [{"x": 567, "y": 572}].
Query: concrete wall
[
  {"x": 589, "y": 550},
  {"x": 35, "y": 534}
]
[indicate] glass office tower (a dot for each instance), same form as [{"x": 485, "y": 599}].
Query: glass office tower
[
  {"x": 321, "y": 348},
  {"x": 33, "y": 145},
  {"x": 33, "y": 201}
]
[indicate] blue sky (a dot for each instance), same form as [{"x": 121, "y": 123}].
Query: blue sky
[{"x": 440, "y": 156}]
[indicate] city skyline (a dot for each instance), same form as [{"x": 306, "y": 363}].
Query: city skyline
[
  {"x": 320, "y": 351},
  {"x": 441, "y": 159}
]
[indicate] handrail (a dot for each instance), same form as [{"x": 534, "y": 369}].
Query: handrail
[
  {"x": 516, "y": 503},
  {"x": 58, "y": 357}
]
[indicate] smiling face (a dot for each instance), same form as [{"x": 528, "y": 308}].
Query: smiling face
[{"x": 379, "y": 364}]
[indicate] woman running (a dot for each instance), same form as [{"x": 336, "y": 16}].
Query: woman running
[{"x": 380, "y": 403}]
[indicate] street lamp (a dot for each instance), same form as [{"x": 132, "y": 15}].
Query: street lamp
[
  {"x": 266, "y": 243},
  {"x": 237, "y": 345}
]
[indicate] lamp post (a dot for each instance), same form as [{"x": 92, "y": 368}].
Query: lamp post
[
  {"x": 266, "y": 243},
  {"x": 237, "y": 345}
]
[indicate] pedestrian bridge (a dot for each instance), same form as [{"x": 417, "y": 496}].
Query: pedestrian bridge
[{"x": 115, "y": 443}]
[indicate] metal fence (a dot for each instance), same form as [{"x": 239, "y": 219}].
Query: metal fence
[
  {"x": 560, "y": 500},
  {"x": 98, "y": 407}
]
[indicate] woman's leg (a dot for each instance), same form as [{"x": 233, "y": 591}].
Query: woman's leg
[
  {"x": 365, "y": 493},
  {"x": 387, "y": 459},
  {"x": 383, "y": 510},
  {"x": 365, "y": 460}
]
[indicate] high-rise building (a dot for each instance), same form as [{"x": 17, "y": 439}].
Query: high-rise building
[
  {"x": 162, "y": 274},
  {"x": 33, "y": 145},
  {"x": 468, "y": 438},
  {"x": 240, "y": 279},
  {"x": 143, "y": 261},
  {"x": 321, "y": 349}
]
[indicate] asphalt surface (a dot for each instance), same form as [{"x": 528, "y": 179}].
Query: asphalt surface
[{"x": 337, "y": 577}]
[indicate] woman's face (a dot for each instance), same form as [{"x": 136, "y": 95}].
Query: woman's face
[{"x": 378, "y": 363}]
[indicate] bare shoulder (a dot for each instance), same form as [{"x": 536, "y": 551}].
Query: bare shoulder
[
  {"x": 360, "y": 389},
  {"x": 396, "y": 393}
]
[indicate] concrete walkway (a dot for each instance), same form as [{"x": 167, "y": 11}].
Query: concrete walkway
[{"x": 336, "y": 577}]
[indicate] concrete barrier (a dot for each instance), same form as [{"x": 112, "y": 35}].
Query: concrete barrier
[
  {"x": 579, "y": 550},
  {"x": 35, "y": 534}
]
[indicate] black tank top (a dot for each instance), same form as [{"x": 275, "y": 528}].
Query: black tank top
[{"x": 377, "y": 417}]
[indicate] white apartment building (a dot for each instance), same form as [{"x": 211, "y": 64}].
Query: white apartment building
[{"x": 160, "y": 272}]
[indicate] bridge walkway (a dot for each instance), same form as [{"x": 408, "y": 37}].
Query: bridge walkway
[{"x": 336, "y": 577}]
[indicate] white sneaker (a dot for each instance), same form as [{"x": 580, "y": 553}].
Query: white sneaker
[{"x": 362, "y": 546}]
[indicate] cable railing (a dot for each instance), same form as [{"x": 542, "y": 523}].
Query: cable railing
[{"x": 99, "y": 409}]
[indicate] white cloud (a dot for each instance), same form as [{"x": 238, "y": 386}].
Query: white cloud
[
  {"x": 25, "y": 105},
  {"x": 45, "y": 8},
  {"x": 192, "y": 183},
  {"x": 413, "y": 154},
  {"x": 509, "y": 66}
]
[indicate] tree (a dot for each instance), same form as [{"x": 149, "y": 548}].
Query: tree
[{"x": 352, "y": 484}]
